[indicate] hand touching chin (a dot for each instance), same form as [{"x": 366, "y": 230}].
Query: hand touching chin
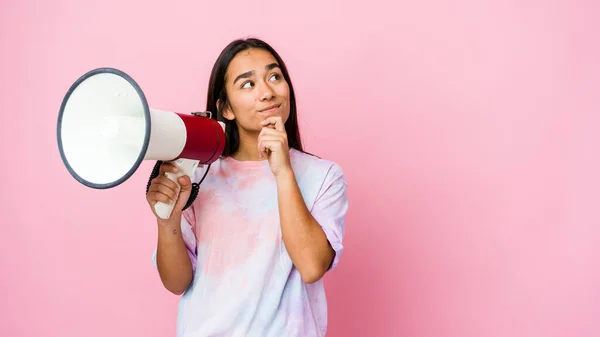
[{"x": 273, "y": 144}]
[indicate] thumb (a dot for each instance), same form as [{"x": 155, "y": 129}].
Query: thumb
[{"x": 184, "y": 192}]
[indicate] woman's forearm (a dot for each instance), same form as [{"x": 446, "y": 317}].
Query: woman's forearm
[
  {"x": 173, "y": 261},
  {"x": 303, "y": 237}
]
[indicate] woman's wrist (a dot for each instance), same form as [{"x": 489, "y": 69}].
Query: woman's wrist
[
  {"x": 173, "y": 224},
  {"x": 285, "y": 176}
]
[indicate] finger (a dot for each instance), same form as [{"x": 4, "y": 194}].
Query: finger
[
  {"x": 273, "y": 138},
  {"x": 269, "y": 135},
  {"x": 262, "y": 150},
  {"x": 276, "y": 121},
  {"x": 163, "y": 193},
  {"x": 154, "y": 197},
  {"x": 272, "y": 131},
  {"x": 162, "y": 181},
  {"x": 167, "y": 167},
  {"x": 168, "y": 191},
  {"x": 268, "y": 145},
  {"x": 184, "y": 193},
  {"x": 185, "y": 182}
]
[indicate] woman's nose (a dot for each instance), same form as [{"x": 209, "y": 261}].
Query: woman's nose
[{"x": 266, "y": 92}]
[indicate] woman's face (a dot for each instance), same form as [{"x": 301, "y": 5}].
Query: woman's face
[{"x": 256, "y": 90}]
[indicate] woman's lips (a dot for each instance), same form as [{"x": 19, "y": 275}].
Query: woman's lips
[{"x": 272, "y": 108}]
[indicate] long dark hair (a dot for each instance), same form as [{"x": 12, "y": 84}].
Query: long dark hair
[{"x": 216, "y": 92}]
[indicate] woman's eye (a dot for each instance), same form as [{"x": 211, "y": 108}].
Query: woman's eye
[
  {"x": 247, "y": 84},
  {"x": 275, "y": 77}
]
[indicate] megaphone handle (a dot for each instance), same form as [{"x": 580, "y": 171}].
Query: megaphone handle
[{"x": 185, "y": 167}]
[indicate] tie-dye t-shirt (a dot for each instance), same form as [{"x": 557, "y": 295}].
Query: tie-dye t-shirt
[{"x": 244, "y": 281}]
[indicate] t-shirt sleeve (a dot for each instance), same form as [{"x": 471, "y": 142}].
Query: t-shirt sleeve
[
  {"x": 188, "y": 231},
  {"x": 330, "y": 208}
]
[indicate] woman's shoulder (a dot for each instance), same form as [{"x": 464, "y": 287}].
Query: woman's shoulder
[{"x": 315, "y": 167}]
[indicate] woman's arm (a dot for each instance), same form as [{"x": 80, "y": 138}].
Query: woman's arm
[
  {"x": 172, "y": 260},
  {"x": 303, "y": 237}
]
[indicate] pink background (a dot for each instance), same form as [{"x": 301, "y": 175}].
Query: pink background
[{"x": 468, "y": 131}]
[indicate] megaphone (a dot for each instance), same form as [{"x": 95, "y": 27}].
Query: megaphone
[{"x": 106, "y": 129}]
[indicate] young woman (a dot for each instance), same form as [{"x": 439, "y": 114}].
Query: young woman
[{"x": 249, "y": 254}]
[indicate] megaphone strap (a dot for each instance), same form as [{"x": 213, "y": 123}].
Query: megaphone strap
[{"x": 195, "y": 186}]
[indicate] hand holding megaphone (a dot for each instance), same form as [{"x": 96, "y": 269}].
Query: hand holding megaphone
[{"x": 169, "y": 191}]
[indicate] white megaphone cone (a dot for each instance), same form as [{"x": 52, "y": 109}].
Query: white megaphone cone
[{"x": 106, "y": 129}]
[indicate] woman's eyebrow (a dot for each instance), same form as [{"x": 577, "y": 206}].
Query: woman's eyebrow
[
  {"x": 243, "y": 75},
  {"x": 272, "y": 66},
  {"x": 250, "y": 73}
]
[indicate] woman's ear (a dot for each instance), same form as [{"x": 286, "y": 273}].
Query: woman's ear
[{"x": 226, "y": 111}]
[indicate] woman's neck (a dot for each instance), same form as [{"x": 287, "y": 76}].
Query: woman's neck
[{"x": 248, "y": 148}]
